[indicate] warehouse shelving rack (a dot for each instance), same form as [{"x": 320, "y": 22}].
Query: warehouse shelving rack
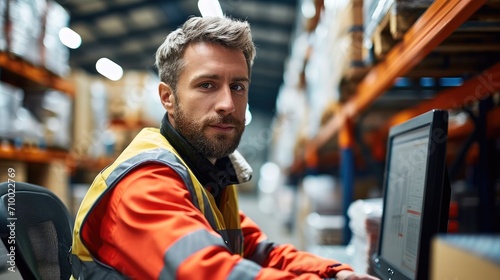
[
  {"x": 20, "y": 73},
  {"x": 436, "y": 24}
]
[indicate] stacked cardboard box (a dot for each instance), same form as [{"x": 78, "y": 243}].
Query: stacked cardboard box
[
  {"x": 53, "y": 176},
  {"x": 109, "y": 113},
  {"x": 16, "y": 168},
  {"x": 348, "y": 57},
  {"x": 351, "y": 38},
  {"x": 465, "y": 257}
]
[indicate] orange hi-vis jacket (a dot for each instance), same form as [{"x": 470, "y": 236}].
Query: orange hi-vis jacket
[{"x": 148, "y": 216}]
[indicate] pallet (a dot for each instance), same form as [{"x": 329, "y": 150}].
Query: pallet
[{"x": 478, "y": 34}]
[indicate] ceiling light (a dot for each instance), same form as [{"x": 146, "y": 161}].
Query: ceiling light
[
  {"x": 308, "y": 9},
  {"x": 210, "y": 8},
  {"x": 109, "y": 69},
  {"x": 70, "y": 38}
]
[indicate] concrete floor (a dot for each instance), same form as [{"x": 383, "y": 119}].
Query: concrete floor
[{"x": 272, "y": 225}]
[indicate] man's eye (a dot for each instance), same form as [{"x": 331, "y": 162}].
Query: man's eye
[
  {"x": 238, "y": 87},
  {"x": 206, "y": 85}
]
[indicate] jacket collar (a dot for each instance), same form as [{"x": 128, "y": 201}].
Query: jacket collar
[{"x": 232, "y": 169}]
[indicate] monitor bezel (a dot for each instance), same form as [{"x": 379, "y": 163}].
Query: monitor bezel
[{"x": 436, "y": 199}]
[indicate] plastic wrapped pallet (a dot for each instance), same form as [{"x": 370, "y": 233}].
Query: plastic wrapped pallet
[
  {"x": 53, "y": 110},
  {"x": 58, "y": 119},
  {"x": 289, "y": 123},
  {"x": 56, "y": 55},
  {"x": 374, "y": 11},
  {"x": 26, "y": 29},
  {"x": 10, "y": 102},
  {"x": 364, "y": 223},
  {"x": 324, "y": 194},
  {"x": 323, "y": 230},
  {"x": 3, "y": 19},
  {"x": 339, "y": 37}
]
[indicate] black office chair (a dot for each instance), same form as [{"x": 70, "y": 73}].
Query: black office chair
[{"x": 42, "y": 234}]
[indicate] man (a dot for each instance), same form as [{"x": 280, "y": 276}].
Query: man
[{"x": 167, "y": 207}]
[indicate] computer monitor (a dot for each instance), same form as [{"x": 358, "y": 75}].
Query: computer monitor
[{"x": 416, "y": 197}]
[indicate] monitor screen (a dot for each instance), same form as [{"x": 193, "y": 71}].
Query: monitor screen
[{"x": 416, "y": 196}]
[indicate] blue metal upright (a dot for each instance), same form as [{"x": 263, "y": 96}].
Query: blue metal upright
[
  {"x": 346, "y": 143},
  {"x": 347, "y": 177}
]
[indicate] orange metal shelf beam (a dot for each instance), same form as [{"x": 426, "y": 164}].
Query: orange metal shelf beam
[
  {"x": 455, "y": 132},
  {"x": 463, "y": 130},
  {"x": 474, "y": 89},
  {"x": 32, "y": 155},
  {"x": 435, "y": 25},
  {"x": 35, "y": 74}
]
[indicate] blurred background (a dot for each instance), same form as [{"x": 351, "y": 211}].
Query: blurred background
[{"x": 77, "y": 82}]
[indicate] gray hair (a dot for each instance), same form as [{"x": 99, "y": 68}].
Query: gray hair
[{"x": 226, "y": 32}]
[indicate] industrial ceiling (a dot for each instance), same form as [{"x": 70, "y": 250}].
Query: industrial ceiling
[{"x": 129, "y": 31}]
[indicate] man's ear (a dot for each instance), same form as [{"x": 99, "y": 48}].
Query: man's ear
[{"x": 166, "y": 96}]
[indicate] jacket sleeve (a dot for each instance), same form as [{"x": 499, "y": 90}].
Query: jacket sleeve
[
  {"x": 284, "y": 257},
  {"x": 151, "y": 230}
]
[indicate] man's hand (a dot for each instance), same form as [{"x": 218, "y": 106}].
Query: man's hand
[{"x": 350, "y": 275}]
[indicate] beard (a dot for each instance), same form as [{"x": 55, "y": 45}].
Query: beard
[{"x": 218, "y": 146}]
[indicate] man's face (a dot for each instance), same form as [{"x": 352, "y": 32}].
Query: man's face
[{"x": 211, "y": 98}]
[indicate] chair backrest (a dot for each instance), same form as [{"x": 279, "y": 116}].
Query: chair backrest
[{"x": 39, "y": 226}]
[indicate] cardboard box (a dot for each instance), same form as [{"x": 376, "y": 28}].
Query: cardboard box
[
  {"x": 53, "y": 176},
  {"x": 90, "y": 116},
  {"x": 19, "y": 169},
  {"x": 350, "y": 16},
  {"x": 126, "y": 97},
  {"x": 465, "y": 257}
]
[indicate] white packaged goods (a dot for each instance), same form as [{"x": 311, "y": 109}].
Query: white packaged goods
[
  {"x": 10, "y": 102},
  {"x": 364, "y": 216},
  {"x": 52, "y": 109},
  {"x": 56, "y": 55},
  {"x": 3, "y": 14},
  {"x": 26, "y": 19},
  {"x": 57, "y": 119}
]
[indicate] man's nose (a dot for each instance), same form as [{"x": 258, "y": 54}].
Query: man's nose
[{"x": 225, "y": 103}]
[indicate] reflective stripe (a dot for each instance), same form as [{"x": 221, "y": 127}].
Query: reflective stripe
[
  {"x": 244, "y": 270},
  {"x": 184, "y": 248},
  {"x": 262, "y": 251},
  {"x": 159, "y": 155},
  {"x": 168, "y": 158}
]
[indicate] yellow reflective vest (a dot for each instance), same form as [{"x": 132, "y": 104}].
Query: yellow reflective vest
[{"x": 151, "y": 146}]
